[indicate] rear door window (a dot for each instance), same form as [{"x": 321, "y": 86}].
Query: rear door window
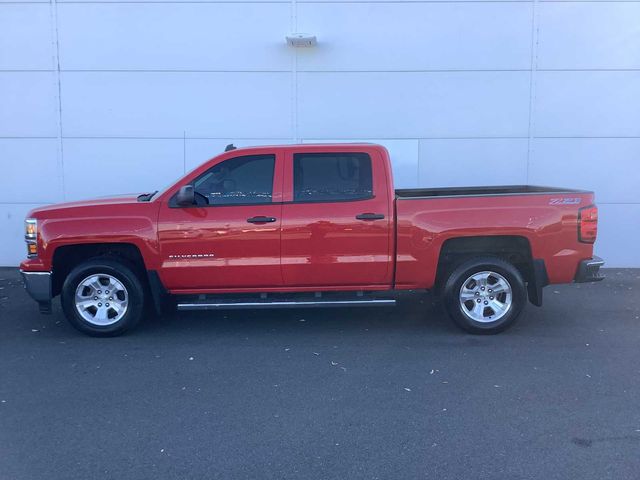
[{"x": 332, "y": 177}]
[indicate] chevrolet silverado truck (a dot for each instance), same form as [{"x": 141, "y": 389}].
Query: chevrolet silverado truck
[{"x": 307, "y": 226}]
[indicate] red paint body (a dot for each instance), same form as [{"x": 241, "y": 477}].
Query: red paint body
[{"x": 311, "y": 246}]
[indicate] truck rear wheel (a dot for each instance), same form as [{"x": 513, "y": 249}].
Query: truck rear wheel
[
  {"x": 103, "y": 297},
  {"x": 485, "y": 295}
]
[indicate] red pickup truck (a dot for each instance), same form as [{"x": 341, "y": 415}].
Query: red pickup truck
[{"x": 307, "y": 226}]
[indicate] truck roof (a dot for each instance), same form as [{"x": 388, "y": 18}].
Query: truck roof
[{"x": 313, "y": 146}]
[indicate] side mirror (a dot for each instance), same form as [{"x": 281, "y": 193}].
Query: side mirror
[{"x": 186, "y": 196}]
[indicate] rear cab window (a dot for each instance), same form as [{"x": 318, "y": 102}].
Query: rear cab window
[{"x": 332, "y": 177}]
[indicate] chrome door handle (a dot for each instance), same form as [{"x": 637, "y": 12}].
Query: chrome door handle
[
  {"x": 261, "y": 219},
  {"x": 370, "y": 216}
]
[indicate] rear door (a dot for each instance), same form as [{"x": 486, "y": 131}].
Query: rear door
[{"x": 336, "y": 219}]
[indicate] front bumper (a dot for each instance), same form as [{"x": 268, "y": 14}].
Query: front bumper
[
  {"x": 38, "y": 286},
  {"x": 589, "y": 270}
]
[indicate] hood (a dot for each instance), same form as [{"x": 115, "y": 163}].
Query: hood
[{"x": 129, "y": 198}]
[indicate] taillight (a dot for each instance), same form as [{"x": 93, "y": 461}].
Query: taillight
[{"x": 588, "y": 224}]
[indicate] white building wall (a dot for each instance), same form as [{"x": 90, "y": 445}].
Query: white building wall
[{"x": 102, "y": 97}]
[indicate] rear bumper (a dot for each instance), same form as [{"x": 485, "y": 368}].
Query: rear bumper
[
  {"x": 38, "y": 286},
  {"x": 589, "y": 270}
]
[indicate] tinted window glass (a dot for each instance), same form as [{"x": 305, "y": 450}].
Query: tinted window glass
[
  {"x": 238, "y": 180},
  {"x": 331, "y": 177}
]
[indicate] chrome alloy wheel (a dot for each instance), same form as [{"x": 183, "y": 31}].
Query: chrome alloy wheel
[
  {"x": 101, "y": 299},
  {"x": 485, "y": 297}
]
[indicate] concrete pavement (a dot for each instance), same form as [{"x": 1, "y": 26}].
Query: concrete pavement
[{"x": 338, "y": 393}]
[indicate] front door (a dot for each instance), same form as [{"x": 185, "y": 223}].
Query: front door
[
  {"x": 231, "y": 238},
  {"x": 337, "y": 223}
]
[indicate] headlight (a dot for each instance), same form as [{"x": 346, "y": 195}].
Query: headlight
[{"x": 31, "y": 236}]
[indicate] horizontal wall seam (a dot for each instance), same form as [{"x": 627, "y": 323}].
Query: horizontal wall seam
[
  {"x": 432, "y": 70},
  {"x": 350, "y": 2},
  {"x": 320, "y": 139},
  {"x": 72, "y": 2},
  {"x": 311, "y": 2}
]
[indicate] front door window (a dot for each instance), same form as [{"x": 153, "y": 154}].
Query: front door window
[{"x": 246, "y": 180}]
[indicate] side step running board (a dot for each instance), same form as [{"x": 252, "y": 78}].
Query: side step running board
[{"x": 229, "y": 305}]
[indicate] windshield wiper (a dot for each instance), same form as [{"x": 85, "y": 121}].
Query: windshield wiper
[{"x": 145, "y": 197}]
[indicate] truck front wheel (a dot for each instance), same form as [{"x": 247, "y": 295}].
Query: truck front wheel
[
  {"x": 485, "y": 295},
  {"x": 103, "y": 297}
]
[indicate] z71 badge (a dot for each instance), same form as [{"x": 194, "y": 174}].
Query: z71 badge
[{"x": 565, "y": 201}]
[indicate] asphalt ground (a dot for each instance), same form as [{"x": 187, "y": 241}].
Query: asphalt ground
[{"x": 389, "y": 393}]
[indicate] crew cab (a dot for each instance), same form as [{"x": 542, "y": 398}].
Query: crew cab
[{"x": 307, "y": 226}]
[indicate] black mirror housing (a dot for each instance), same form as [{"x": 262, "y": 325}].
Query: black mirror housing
[{"x": 186, "y": 196}]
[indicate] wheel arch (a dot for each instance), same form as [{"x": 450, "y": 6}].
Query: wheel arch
[
  {"x": 515, "y": 249},
  {"x": 66, "y": 257}
]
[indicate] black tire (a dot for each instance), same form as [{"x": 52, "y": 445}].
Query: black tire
[
  {"x": 123, "y": 272},
  {"x": 463, "y": 272}
]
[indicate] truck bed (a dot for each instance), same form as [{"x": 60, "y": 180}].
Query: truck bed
[
  {"x": 499, "y": 190},
  {"x": 546, "y": 217}
]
